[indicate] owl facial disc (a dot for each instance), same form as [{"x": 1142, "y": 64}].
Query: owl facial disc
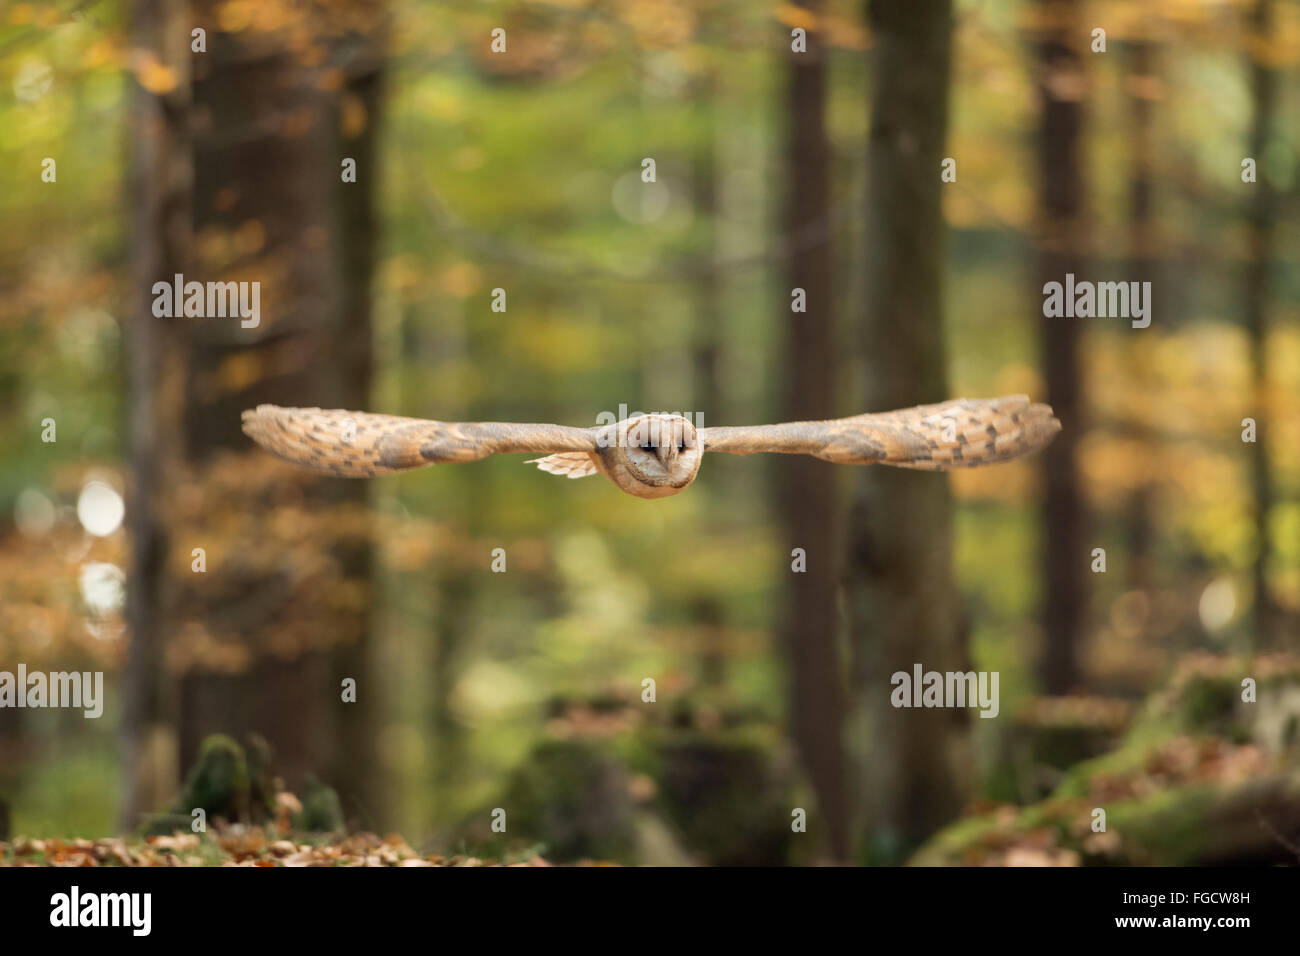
[{"x": 652, "y": 456}]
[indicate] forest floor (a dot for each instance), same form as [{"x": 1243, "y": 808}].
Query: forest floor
[{"x": 235, "y": 847}]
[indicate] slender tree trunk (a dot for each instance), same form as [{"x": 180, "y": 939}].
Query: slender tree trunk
[
  {"x": 706, "y": 353},
  {"x": 1261, "y": 217},
  {"x": 807, "y": 486},
  {"x": 706, "y": 349},
  {"x": 1144, "y": 261},
  {"x": 161, "y": 180},
  {"x": 1061, "y": 250},
  {"x": 355, "y": 771},
  {"x": 902, "y": 599}
]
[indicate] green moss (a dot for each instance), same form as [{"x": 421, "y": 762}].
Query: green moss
[
  {"x": 1166, "y": 828},
  {"x": 321, "y": 810},
  {"x": 261, "y": 783},
  {"x": 219, "y": 780},
  {"x": 1207, "y": 704},
  {"x": 723, "y": 793},
  {"x": 949, "y": 844},
  {"x": 575, "y": 794}
]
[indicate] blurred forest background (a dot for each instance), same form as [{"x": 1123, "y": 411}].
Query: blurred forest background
[{"x": 522, "y": 170}]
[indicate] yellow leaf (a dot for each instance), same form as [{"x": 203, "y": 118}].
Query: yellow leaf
[
  {"x": 154, "y": 76},
  {"x": 796, "y": 16}
]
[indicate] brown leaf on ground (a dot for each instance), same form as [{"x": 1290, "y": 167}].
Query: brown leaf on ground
[{"x": 236, "y": 846}]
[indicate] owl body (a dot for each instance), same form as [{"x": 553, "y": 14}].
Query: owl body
[{"x": 655, "y": 456}]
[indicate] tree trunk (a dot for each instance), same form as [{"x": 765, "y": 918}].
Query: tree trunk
[
  {"x": 706, "y": 351},
  {"x": 806, "y": 485},
  {"x": 355, "y": 771},
  {"x": 1144, "y": 263},
  {"x": 267, "y": 205},
  {"x": 1066, "y": 548},
  {"x": 161, "y": 174},
  {"x": 708, "y": 333},
  {"x": 1261, "y": 217},
  {"x": 268, "y": 166},
  {"x": 902, "y": 599}
]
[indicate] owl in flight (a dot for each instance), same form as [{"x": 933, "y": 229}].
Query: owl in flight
[{"x": 654, "y": 456}]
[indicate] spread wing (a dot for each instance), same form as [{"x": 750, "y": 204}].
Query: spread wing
[
  {"x": 961, "y": 433},
  {"x": 360, "y": 445}
]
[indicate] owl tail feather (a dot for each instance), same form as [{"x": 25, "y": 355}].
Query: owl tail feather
[{"x": 570, "y": 464}]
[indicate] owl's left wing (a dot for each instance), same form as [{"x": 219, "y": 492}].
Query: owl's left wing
[
  {"x": 961, "y": 433},
  {"x": 360, "y": 445}
]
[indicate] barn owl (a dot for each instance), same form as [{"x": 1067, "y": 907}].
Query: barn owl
[{"x": 658, "y": 455}]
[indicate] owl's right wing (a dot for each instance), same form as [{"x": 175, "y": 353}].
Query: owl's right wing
[
  {"x": 961, "y": 433},
  {"x": 360, "y": 445}
]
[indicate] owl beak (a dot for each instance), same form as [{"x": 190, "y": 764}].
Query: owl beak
[{"x": 666, "y": 451}]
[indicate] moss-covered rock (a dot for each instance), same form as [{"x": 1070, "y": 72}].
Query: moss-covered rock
[
  {"x": 237, "y": 784},
  {"x": 321, "y": 810},
  {"x": 1201, "y": 778},
  {"x": 726, "y": 792},
  {"x": 218, "y": 782},
  {"x": 1047, "y": 736},
  {"x": 262, "y": 784},
  {"x": 573, "y": 798},
  {"x": 1204, "y": 697}
]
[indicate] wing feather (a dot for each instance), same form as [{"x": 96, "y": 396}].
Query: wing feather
[
  {"x": 361, "y": 445},
  {"x": 570, "y": 464},
  {"x": 962, "y": 433}
]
